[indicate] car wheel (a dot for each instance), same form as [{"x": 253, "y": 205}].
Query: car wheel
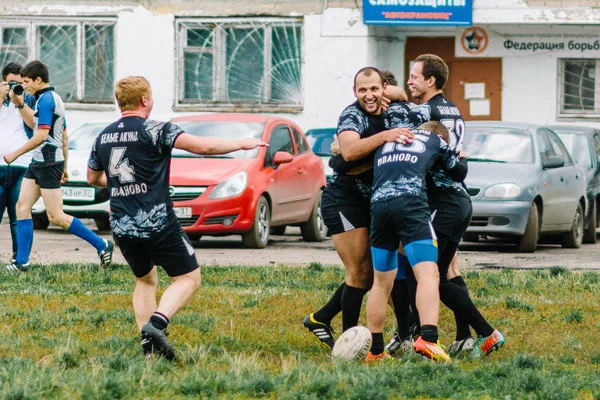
[
  {"x": 573, "y": 238},
  {"x": 103, "y": 223},
  {"x": 589, "y": 234},
  {"x": 278, "y": 230},
  {"x": 258, "y": 236},
  {"x": 40, "y": 221},
  {"x": 528, "y": 242},
  {"x": 314, "y": 230}
]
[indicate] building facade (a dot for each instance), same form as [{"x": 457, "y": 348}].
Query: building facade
[{"x": 522, "y": 60}]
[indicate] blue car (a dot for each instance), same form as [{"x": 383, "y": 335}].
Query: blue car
[
  {"x": 583, "y": 144},
  {"x": 523, "y": 184},
  {"x": 320, "y": 140}
]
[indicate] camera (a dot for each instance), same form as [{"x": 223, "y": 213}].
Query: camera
[{"x": 17, "y": 89}]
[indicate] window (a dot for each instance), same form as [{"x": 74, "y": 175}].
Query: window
[
  {"x": 79, "y": 54},
  {"x": 301, "y": 144},
  {"x": 241, "y": 63},
  {"x": 597, "y": 143},
  {"x": 546, "y": 149},
  {"x": 578, "y": 147},
  {"x": 280, "y": 140},
  {"x": 579, "y": 86},
  {"x": 559, "y": 147}
]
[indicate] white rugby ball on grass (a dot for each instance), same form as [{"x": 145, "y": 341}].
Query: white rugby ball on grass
[{"x": 353, "y": 344}]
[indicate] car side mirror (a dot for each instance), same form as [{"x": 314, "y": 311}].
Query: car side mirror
[
  {"x": 553, "y": 162},
  {"x": 281, "y": 157}
]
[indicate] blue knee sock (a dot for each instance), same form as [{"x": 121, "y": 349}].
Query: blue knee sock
[
  {"x": 78, "y": 229},
  {"x": 24, "y": 240}
]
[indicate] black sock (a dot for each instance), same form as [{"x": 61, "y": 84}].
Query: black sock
[
  {"x": 332, "y": 308},
  {"x": 429, "y": 333},
  {"x": 458, "y": 280},
  {"x": 465, "y": 312},
  {"x": 401, "y": 304},
  {"x": 159, "y": 321},
  {"x": 351, "y": 303},
  {"x": 377, "y": 345}
]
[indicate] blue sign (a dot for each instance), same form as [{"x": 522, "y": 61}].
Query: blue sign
[{"x": 418, "y": 12}]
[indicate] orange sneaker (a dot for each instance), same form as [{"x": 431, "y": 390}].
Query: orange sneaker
[
  {"x": 376, "y": 358},
  {"x": 485, "y": 345},
  {"x": 432, "y": 351}
]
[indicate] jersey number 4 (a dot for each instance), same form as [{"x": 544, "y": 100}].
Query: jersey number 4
[{"x": 119, "y": 166}]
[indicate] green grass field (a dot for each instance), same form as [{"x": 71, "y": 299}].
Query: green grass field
[{"x": 68, "y": 331}]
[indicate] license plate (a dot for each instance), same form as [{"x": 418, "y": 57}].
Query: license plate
[
  {"x": 183, "y": 212},
  {"x": 78, "y": 193}
]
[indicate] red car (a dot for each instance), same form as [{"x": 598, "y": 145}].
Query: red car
[{"x": 248, "y": 192}]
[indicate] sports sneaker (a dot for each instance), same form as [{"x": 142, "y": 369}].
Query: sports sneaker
[
  {"x": 370, "y": 358},
  {"x": 158, "y": 342},
  {"x": 432, "y": 351},
  {"x": 106, "y": 254},
  {"x": 485, "y": 345},
  {"x": 397, "y": 347},
  {"x": 461, "y": 346},
  {"x": 15, "y": 266},
  {"x": 13, "y": 258},
  {"x": 322, "y": 331},
  {"x": 146, "y": 346}
]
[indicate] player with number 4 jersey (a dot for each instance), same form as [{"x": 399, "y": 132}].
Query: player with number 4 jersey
[{"x": 132, "y": 157}]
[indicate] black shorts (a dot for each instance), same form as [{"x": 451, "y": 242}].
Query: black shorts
[
  {"x": 451, "y": 214},
  {"x": 344, "y": 210},
  {"x": 404, "y": 219},
  {"x": 46, "y": 176},
  {"x": 171, "y": 249}
]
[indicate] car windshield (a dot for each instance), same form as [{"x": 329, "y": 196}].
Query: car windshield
[
  {"x": 577, "y": 145},
  {"x": 499, "y": 145},
  {"x": 84, "y": 136},
  {"x": 320, "y": 140},
  {"x": 224, "y": 130}
]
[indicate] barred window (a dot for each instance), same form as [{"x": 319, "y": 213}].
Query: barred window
[
  {"x": 579, "y": 87},
  {"x": 80, "y": 55},
  {"x": 241, "y": 63}
]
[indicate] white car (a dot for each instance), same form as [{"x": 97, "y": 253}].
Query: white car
[{"x": 80, "y": 199}]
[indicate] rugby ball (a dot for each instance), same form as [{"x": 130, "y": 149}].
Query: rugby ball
[{"x": 353, "y": 344}]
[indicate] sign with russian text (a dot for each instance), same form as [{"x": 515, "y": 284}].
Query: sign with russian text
[
  {"x": 575, "y": 41},
  {"x": 418, "y": 12}
]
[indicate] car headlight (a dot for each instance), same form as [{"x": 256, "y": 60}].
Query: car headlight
[
  {"x": 503, "y": 191},
  {"x": 230, "y": 187}
]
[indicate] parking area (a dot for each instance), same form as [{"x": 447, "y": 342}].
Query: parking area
[{"x": 55, "y": 246}]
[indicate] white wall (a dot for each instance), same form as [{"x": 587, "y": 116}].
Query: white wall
[
  {"x": 336, "y": 45},
  {"x": 145, "y": 45},
  {"x": 529, "y": 89}
]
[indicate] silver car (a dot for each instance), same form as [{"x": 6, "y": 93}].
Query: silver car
[{"x": 523, "y": 184}]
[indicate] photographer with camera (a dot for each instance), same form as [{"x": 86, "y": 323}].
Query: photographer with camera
[{"x": 16, "y": 128}]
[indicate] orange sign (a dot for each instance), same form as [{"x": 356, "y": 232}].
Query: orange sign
[{"x": 474, "y": 40}]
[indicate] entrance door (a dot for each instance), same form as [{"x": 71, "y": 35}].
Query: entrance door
[
  {"x": 474, "y": 85},
  {"x": 476, "y": 88}
]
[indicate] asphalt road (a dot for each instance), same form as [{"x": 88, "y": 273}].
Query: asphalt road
[{"x": 56, "y": 246}]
